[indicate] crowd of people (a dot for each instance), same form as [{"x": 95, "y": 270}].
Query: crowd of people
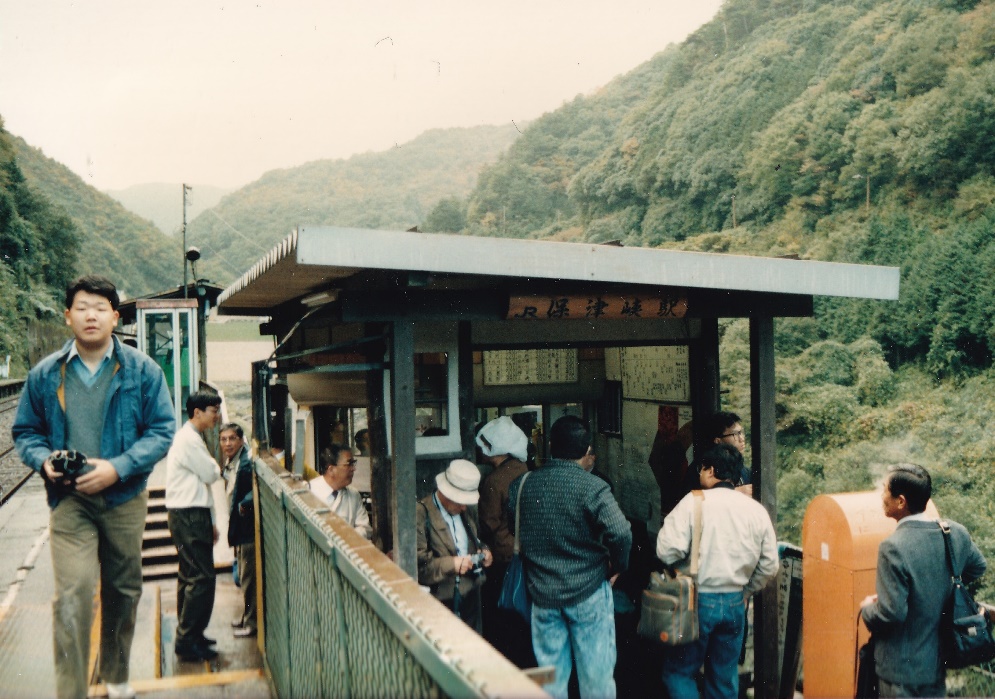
[{"x": 100, "y": 397}]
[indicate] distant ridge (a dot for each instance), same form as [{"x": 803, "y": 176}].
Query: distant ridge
[{"x": 162, "y": 203}]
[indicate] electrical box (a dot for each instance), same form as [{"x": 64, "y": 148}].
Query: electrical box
[{"x": 840, "y": 538}]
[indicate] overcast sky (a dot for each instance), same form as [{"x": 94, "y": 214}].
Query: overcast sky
[{"x": 217, "y": 92}]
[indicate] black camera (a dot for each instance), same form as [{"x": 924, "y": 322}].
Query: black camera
[{"x": 71, "y": 464}]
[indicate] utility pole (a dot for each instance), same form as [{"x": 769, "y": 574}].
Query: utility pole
[
  {"x": 733, "y": 212},
  {"x": 867, "y": 177},
  {"x": 186, "y": 188}
]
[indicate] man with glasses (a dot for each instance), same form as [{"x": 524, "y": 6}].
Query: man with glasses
[
  {"x": 727, "y": 428},
  {"x": 336, "y": 469}
]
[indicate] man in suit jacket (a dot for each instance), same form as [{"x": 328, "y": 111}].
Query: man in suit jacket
[
  {"x": 448, "y": 544},
  {"x": 913, "y": 585}
]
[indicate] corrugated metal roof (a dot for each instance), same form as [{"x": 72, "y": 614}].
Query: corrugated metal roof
[{"x": 311, "y": 259}]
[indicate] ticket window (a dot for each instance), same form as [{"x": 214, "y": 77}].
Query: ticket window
[
  {"x": 340, "y": 425},
  {"x": 533, "y": 421}
]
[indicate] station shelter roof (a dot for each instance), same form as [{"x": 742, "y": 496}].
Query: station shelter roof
[{"x": 314, "y": 264}]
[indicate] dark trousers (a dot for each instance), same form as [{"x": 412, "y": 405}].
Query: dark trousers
[
  {"x": 505, "y": 629},
  {"x": 247, "y": 581},
  {"x": 193, "y": 536}
]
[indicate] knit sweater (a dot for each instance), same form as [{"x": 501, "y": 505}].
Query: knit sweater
[{"x": 574, "y": 536}]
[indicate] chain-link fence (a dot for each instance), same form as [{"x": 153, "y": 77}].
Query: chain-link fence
[{"x": 341, "y": 620}]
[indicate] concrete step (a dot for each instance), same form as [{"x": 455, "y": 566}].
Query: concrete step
[
  {"x": 157, "y": 520},
  {"x": 161, "y": 571},
  {"x": 156, "y": 537},
  {"x": 159, "y": 554}
]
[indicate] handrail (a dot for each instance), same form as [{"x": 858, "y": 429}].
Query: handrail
[{"x": 422, "y": 631}]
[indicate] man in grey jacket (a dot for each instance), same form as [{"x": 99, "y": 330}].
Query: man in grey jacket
[{"x": 913, "y": 584}]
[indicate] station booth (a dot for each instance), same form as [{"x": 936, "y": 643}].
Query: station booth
[
  {"x": 420, "y": 338},
  {"x": 170, "y": 327}
]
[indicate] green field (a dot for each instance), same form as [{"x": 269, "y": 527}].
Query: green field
[{"x": 235, "y": 331}]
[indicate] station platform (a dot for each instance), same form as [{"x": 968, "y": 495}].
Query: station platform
[{"x": 26, "y": 590}]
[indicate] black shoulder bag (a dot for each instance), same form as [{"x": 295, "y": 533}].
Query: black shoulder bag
[{"x": 965, "y": 638}]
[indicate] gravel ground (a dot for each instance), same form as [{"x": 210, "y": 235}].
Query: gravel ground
[{"x": 11, "y": 468}]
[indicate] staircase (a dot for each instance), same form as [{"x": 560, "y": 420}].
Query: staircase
[{"x": 159, "y": 557}]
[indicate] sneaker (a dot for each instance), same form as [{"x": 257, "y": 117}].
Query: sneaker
[
  {"x": 244, "y": 632},
  {"x": 122, "y": 690},
  {"x": 237, "y": 623}
]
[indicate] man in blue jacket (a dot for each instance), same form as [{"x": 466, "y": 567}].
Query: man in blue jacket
[
  {"x": 98, "y": 397},
  {"x": 913, "y": 584}
]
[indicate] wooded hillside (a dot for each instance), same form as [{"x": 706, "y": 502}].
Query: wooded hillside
[
  {"x": 112, "y": 240},
  {"x": 391, "y": 190}
]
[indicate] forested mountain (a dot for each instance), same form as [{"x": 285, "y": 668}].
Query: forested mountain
[
  {"x": 39, "y": 244},
  {"x": 857, "y": 131},
  {"x": 112, "y": 240},
  {"x": 394, "y": 190}
]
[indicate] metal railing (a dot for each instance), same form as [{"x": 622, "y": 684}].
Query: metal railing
[{"x": 340, "y": 619}]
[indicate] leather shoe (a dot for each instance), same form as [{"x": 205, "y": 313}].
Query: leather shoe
[
  {"x": 244, "y": 632},
  {"x": 195, "y": 652},
  {"x": 208, "y": 641}
]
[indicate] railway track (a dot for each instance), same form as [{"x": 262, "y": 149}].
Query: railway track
[{"x": 13, "y": 474}]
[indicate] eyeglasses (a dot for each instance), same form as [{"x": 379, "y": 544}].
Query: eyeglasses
[{"x": 738, "y": 434}]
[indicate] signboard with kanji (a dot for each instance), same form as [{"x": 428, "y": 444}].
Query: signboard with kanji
[
  {"x": 656, "y": 374},
  {"x": 613, "y": 306},
  {"x": 536, "y": 366}
]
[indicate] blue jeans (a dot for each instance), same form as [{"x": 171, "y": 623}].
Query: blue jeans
[
  {"x": 721, "y": 622},
  {"x": 887, "y": 689},
  {"x": 582, "y": 634}
]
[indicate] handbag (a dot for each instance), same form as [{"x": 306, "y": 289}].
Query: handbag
[
  {"x": 965, "y": 637},
  {"x": 867, "y": 672},
  {"x": 514, "y": 595},
  {"x": 669, "y": 613}
]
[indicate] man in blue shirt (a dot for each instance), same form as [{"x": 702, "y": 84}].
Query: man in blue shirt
[{"x": 108, "y": 401}]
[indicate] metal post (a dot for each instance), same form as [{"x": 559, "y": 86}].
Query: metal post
[
  {"x": 764, "y": 443},
  {"x": 402, "y": 389},
  {"x": 186, "y": 188}
]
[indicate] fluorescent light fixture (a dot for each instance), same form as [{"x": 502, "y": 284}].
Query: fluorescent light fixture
[{"x": 320, "y": 298}]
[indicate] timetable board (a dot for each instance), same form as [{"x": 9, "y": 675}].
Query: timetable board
[
  {"x": 530, "y": 366},
  {"x": 656, "y": 373}
]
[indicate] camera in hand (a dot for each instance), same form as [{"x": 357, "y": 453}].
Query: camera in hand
[
  {"x": 477, "y": 563},
  {"x": 71, "y": 464}
]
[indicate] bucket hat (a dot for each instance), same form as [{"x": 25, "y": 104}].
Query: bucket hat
[{"x": 459, "y": 482}]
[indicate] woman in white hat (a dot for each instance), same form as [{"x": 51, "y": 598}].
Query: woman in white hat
[{"x": 450, "y": 556}]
